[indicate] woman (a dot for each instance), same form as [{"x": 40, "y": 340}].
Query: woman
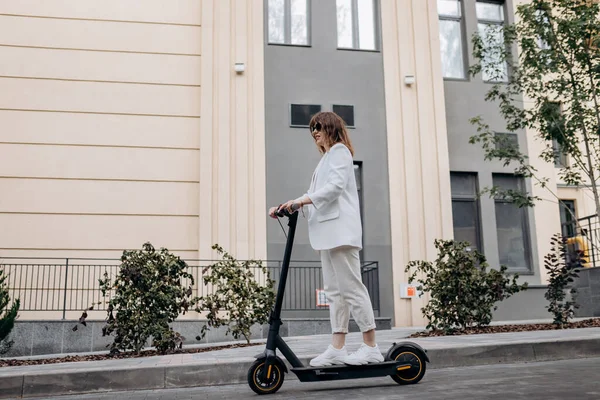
[{"x": 334, "y": 229}]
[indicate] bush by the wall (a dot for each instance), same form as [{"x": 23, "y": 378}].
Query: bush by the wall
[
  {"x": 463, "y": 291},
  {"x": 7, "y": 314},
  {"x": 151, "y": 289},
  {"x": 561, "y": 277},
  {"x": 238, "y": 300}
]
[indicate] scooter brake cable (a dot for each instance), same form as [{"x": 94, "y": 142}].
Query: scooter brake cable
[{"x": 282, "y": 228}]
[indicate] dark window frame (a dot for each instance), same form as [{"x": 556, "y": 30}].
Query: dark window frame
[
  {"x": 301, "y": 104},
  {"x": 506, "y": 136},
  {"x": 361, "y": 190},
  {"x": 464, "y": 43},
  {"x": 356, "y": 28},
  {"x": 353, "y": 114},
  {"x": 287, "y": 25},
  {"x": 568, "y": 223},
  {"x": 474, "y": 198},
  {"x": 561, "y": 159},
  {"x": 525, "y": 225},
  {"x": 486, "y": 21}
]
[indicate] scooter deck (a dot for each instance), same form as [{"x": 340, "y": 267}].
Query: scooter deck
[{"x": 334, "y": 372}]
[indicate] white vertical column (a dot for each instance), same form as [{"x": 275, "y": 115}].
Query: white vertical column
[
  {"x": 232, "y": 176},
  {"x": 417, "y": 145}
]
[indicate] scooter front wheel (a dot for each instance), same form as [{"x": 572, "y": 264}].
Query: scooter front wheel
[
  {"x": 414, "y": 371},
  {"x": 273, "y": 381}
]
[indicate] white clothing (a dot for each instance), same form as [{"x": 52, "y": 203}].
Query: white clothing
[
  {"x": 334, "y": 215},
  {"x": 345, "y": 290}
]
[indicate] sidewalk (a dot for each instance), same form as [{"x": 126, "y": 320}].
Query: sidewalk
[{"x": 231, "y": 365}]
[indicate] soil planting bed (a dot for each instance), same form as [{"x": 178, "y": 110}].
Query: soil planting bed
[
  {"x": 99, "y": 357},
  {"x": 588, "y": 323}
]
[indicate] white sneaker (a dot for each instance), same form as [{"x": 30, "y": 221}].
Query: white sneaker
[
  {"x": 364, "y": 355},
  {"x": 331, "y": 356}
]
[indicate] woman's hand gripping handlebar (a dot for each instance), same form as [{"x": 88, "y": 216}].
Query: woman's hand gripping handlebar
[{"x": 284, "y": 210}]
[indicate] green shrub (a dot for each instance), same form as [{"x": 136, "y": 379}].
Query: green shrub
[
  {"x": 561, "y": 276},
  {"x": 151, "y": 289},
  {"x": 463, "y": 292},
  {"x": 237, "y": 300},
  {"x": 8, "y": 315}
]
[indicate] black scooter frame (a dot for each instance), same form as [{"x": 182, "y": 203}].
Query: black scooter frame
[{"x": 307, "y": 374}]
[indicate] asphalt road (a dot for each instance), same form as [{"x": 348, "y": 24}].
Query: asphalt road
[{"x": 573, "y": 379}]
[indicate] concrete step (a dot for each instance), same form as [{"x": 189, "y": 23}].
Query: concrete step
[{"x": 33, "y": 338}]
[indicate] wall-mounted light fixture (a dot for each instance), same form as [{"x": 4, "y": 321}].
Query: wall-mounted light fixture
[
  {"x": 240, "y": 67},
  {"x": 409, "y": 80}
]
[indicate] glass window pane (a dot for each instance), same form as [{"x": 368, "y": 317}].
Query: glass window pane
[
  {"x": 366, "y": 25},
  {"x": 276, "y": 21},
  {"x": 344, "y": 23},
  {"x": 567, "y": 217},
  {"x": 302, "y": 113},
  {"x": 507, "y": 182},
  {"x": 511, "y": 236},
  {"x": 490, "y": 11},
  {"x": 449, "y": 8},
  {"x": 561, "y": 159},
  {"x": 465, "y": 222},
  {"x": 357, "y": 177},
  {"x": 451, "y": 49},
  {"x": 299, "y": 22},
  {"x": 493, "y": 69},
  {"x": 506, "y": 141},
  {"x": 463, "y": 184},
  {"x": 346, "y": 113}
]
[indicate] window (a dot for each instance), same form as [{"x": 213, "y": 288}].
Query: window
[
  {"x": 555, "y": 130},
  {"x": 288, "y": 22},
  {"x": 560, "y": 157},
  {"x": 465, "y": 209},
  {"x": 507, "y": 141},
  {"x": 451, "y": 38},
  {"x": 511, "y": 227},
  {"x": 544, "y": 23},
  {"x": 356, "y": 26},
  {"x": 346, "y": 112},
  {"x": 300, "y": 114},
  {"x": 567, "y": 218},
  {"x": 358, "y": 177},
  {"x": 490, "y": 16}
]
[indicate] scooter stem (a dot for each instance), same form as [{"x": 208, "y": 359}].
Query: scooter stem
[{"x": 292, "y": 220}]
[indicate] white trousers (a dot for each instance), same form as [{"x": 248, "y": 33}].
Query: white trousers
[{"x": 345, "y": 291}]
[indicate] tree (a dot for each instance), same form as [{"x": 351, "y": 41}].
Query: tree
[
  {"x": 7, "y": 314},
  {"x": 557, "y": 71}
]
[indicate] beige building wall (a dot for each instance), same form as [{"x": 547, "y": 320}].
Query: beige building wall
[
  {"x": 546, "y": 211},
  {"x": 102, "y": 144},
  {"x": 419, "y": 172}
]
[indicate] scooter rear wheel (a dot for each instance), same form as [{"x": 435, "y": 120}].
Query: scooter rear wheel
[
  {"x": 273, "y": 381},
  {"x": 415, "y": 372}
]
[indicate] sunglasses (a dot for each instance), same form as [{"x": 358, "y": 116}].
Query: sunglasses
[{"x": 315, "y": 128}]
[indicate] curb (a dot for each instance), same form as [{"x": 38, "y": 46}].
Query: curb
[{"x": 204, "y": 374}]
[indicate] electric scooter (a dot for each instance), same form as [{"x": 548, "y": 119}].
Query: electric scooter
[{"x": 404, "y": 362}]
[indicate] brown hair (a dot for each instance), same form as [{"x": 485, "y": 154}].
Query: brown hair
[{"x": 334, "y": 128}]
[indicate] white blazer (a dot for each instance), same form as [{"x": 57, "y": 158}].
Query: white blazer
[{"x": 334, "y": 215}]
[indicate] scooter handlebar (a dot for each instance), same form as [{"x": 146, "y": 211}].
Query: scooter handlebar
[{"x": 285, "y": 213}]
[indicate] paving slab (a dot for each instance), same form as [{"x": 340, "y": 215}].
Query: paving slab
[{"x": 230, "y": 365}]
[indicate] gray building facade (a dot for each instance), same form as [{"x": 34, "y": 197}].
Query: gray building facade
[
  {"x": 320, "y": 73},
  {"x": 504, "y": 233},
  {"x": 315, "y": 59}
]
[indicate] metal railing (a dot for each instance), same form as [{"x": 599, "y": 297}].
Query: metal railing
[
  {"x": 72, "y": 284},
  {"x": 583, "y": 241}
]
